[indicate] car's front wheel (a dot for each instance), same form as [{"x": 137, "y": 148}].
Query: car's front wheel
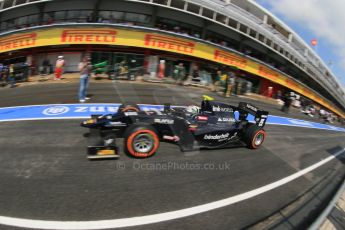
[{"x": 141, "y": 141}]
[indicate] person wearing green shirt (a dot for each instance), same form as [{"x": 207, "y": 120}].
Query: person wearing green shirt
[{"x": 179, "y": 73}]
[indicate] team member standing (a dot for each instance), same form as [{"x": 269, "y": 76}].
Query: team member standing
[
  {"x": 230, "y": 84},
  {"x": 180, "y": 73},
  {"x": 2, "y": 67},
  {"x": 12, "y": 79},
  {"x": 287, "y": 103},
  {"x": 85, "y": 68},
  {"x": 60, "y": 63}
]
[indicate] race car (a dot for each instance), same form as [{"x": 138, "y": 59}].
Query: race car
[{"x": 213, "y": 125}]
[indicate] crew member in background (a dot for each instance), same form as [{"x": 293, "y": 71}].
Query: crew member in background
[
  {"x": 213, "y": 80},
  {"x": 46, "y": 69},
  {"x": 60, "y": 63},
  {"x": 180, "y": 73},
  {"x": 29, "y": 62},
  {"x": 230, "y": 84},
  {"x": 85, "y": 69},
  {"x": 12, "y": 79},
  {"x": 287, "y": 103},
  {"x": 270, "y": 92},
  {"x": 322, "y": 114},
  {"x": 249, "y": 88},
  {"x": 161, "y": 72},
  {"x": 1, "y": 74},
  {"x": 216, "y": 75},
  {"x": 239, "y": 86}
]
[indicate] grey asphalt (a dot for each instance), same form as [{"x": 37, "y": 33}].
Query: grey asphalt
[{"x": 44, "y": 173}]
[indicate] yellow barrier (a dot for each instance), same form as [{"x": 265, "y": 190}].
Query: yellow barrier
[{"x": 127, "y": 37}]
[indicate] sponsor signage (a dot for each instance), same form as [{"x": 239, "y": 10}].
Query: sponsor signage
[
  {"x": 251, "y": 107},
  {"x": 56, "y": 111},
  {"x": 164, "y": 121},
  {"x": 216, "y": 136},
  {"x": 230, "y": 59},
  {"x": 202, "y": 118},
  {"x": 169, "y": 43},
  {"x": 291, "y": 84},
  {"x": 222, "y": 109},
  {"x": 226, "y": 119},
  {"x": 268, "y": 73},
  {"x": 64, "y": 111},
  {"x": 88, "y": 36},
  {"x": 18, "y": 41}
]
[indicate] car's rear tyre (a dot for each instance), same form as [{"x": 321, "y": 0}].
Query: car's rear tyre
[
  {"x": 254, "y": 136},
  {"x": 141, "y": 141}
]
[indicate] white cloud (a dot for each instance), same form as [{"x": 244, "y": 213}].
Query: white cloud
[{"x": 325, "y": 19}]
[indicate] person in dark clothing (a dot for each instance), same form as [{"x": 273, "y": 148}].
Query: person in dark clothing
[
  {"x": 12, "y": 79},
  {"x": 2, "y": 75},
  {"x": 46, "y": 69},
  {"x": 230, "y": 84},
  {"x": 287, "y": 103},
  {"x": 215, "y": 75}
]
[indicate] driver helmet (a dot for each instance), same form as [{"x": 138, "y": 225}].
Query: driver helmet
[{"x": 193, "y": 109}]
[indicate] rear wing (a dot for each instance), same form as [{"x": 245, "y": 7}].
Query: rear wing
[{"x": 260, "y": 115}]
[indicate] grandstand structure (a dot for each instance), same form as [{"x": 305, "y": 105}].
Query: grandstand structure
[{"x": 239, "y": 34}]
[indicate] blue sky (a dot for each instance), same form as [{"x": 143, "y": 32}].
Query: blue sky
[{"x": 320, "y": 19}]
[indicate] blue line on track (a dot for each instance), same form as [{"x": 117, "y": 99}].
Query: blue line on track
[{"x": 67, "y": 111}]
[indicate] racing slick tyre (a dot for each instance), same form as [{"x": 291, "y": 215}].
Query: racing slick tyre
[
  {"x": 129, "y": 108},
  {"x": 254, "y": 136},
  {"x": 141, "y": 141}
]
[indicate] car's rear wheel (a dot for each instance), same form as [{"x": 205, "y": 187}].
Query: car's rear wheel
[
  {"x": 254, "y": 136},
  {"x": 141, "y": 141}
]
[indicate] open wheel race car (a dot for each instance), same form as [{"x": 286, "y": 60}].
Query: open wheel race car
[{"x": 213, "y": 125}]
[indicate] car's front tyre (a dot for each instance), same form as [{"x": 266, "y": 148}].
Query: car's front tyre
[{"x": 141, "y": 141}]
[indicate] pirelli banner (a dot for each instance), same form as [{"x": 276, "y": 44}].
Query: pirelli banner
[{"x": 151, "y": 40}]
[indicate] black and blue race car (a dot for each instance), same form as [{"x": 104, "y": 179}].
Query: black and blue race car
[{"x": 213, "y": 125}]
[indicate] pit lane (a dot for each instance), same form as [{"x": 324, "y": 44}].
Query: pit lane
[{"x": 44, "y": 175}]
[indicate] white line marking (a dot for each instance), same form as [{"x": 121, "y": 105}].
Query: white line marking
[{"x": 161, "y": 217}]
